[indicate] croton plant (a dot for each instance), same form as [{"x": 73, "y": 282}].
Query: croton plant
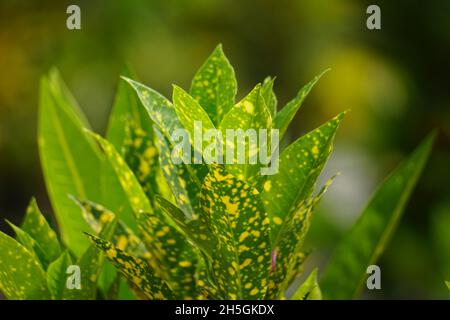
[{"x": 138, "y": 225}]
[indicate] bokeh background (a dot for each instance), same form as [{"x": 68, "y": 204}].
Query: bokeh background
[{"x": 395, "y": 80}]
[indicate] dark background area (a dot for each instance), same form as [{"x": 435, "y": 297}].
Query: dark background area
[{"x": 395, "y": 81}]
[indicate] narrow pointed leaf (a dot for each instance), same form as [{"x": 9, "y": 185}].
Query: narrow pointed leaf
[
  {"x": 214, "y": 86},
  {"x": 57, "y": 275},
  {"x": 287, "y": 113},
  {"x": 367, "y": 239},
  {"x": 269, "y": 95},
  {"x": 309, "y": 290}
]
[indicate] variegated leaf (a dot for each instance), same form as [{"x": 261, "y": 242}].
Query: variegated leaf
[
  {"x": 269, "y": 95},
  {"x": 242, "y": 260}
]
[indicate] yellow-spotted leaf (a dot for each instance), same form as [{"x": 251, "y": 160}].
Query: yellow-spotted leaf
[
  {"x": 299, "y": 167},
  {"x": 137, "y": 271},
  {"x": 269, "y": 95},
  {"x": 130, "y": 185},
  {"x": 214, "y": 85},
  {"x": 309, "y": 290},
  {"x": 287, "y": 113},
  {"x": 173, "y": 258},
  {"x": 192, "y": 116},
  {"x": 248, "y": 116},
  {"x": 91, "y": 264},
  {"x": 21, "y": 275},
  {"x": 57, "y": 275},
  {"x": 242, "y": 259},
  {"x": 70, "y": 160},
  {"x": 181, "y": 178},
  {"x": 38, "y": 228},
  {"x": 367, "y": 239},
  {"x": 127, "y": 106},
  {"x": 287, "y": 246},
  {"x": 196, "y": 229}
]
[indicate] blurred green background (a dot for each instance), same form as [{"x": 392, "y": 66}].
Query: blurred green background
[{"x": 395, "y": 81}]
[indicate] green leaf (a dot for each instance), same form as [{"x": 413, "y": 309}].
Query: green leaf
[
  {"x": 242, "y": 260},
  {"x": 214, "y": 86},
  {"x": 285, "y": 116},
  {"x": 299, "y": 167},
  {"x": 448, "y": 284},
  {"x": 189, "y": 112},
  {"x": 31, "y": 245},
  {"x": 21, "y": 275},
  {"x": 195, "y": 229},
  {"x": 91, "y": 265},
  {"x": 127, "y": 106},
  {"x": 57, "y": 275},
  {"x": 289, "y": 243},
  {"x": 251, "y": 113},
  {"x": 136, "y": 270},
  {"x": 38, "y": 228},
  {"x": 367, "y": 239},
  {"x": 130, "y": 185},
  {"x": 183, "y": 182},
  {"x": 160, "y": 110},
  {"x": 309, "y": 290},
  {"x": 70, "y": 161},
  {"x": 269, "y": 95}
]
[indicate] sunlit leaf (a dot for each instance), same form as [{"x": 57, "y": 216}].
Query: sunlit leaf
[
  {"x": 367, "y": 239},
  {"x": 21, "y": 276},
  {"x": 269, "y": 95},
  {"x": 57, "y": 275},
  {"x": 214, "y": 86},
  {"x": 309, "y": 290},
  {"x": 299, "y": 167}
]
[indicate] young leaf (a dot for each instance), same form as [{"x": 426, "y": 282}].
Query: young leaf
[
  {"x": 367, "y": 239},
  {"x": 57, "y": 275},
  {"x": 285, "y": 116},
  {"x": 38, "y": 228},
  {"x": 189, "y": 112},
  {"x": 238, "y": 220},
  {"x": 249, "y": 115},
  {"x": 299, "y": 167},
  {"x": 137, "y": 271},
  {"x": 269, "y": 95},
  {"x": 309, "y": 290},
  {"x": 127, "y": 106},
  {"x": 70, "y": 162},
  {"x": 214, "y": 86},
  {"x": 21, "y": 275}
]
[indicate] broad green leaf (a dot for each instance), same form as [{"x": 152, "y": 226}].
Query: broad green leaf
[
  {"x": 57, "y": 275},
  {"x": 190, "y": 113},
  {"x": 367, "y": 239},
  {"x": 289, "y": 243},
  {"x": 130, "y": 185},
  {"x": 299, "y": 167},
  {"x": 38, "y": 228},
  {"x": 309, "y": 290},
  {"x": 21, "y": 275},
  {"x": 242, "y": 260},
  {"x": 214, "y": 86},
  {"x": 31, "y": 245},
  {"x": 127, "y": 106},
  {"x": 136, "y": 270},
  {"x": 183, "y": 182},
  {"x": 269, "y": 95},
  {"x": 91, "y": 265},
  {"x": 287, "y": 113},
  {"x": 196, "y": 229},
  {"x": 70, "y": 162},
  {"x": 249, "y": 115}
]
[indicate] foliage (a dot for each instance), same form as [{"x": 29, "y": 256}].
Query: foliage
[{"x": 187, "y": 231}]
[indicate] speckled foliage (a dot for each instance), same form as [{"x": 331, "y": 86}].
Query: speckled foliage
[{"x": 139, "y": 225}]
